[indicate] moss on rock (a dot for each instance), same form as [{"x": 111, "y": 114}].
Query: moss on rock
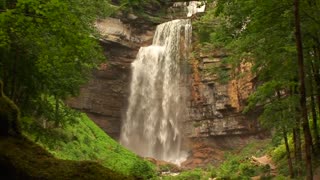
[{"x": 23, "y": 159}]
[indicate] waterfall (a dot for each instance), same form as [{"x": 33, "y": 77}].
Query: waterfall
[
  {"x": 157, "y": 101},
  {"x": 195, "y": 7}
]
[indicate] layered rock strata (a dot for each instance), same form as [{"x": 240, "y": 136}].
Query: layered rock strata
[
  {"x": 216, "y": 105},
  {"x": 104, "y": 98}
]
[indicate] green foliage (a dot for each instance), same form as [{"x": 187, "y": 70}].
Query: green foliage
[
  {"x": 167, "y": 168},
  {"x": 142, "y": 169},
  {"x": 151, "y": 11},
  {"x": 54, "y": 112},
  {"x": 23, "y": 159},
  {"x": 48, "y": 48},
  {"x": 84, "y": 140},
  {"x": 195, "y": 174},
  {"x": 279, "y": 156},
  {"x": 279, "y": 153},
  {"x": 138, "y": 4},
  {"x": 262, "y": 33},
  {"x": 247, "y": 169},
  {"x": 239, "y": 165}
]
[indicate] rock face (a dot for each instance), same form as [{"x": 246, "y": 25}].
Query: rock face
[
  {"x": 218, "y": 96},
  {"x": 104, "y": 97},
  {"x": 216, "y": 104},
  {"x": 215, "y": 120}
]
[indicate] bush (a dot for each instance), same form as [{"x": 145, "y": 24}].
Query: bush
[
  {"x": 279, "y": 153},
  {"x": 247, "y": 169},
  {"x": 142, "y": 169},
  {"x": 195, "y": 174},
  {"x": 190, "y": 175}
]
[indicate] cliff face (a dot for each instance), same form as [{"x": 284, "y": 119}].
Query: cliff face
[
  {"x": 104, "y": 98},
  {"x": 218, "y": 96},
  {"x": 214, "y": 107},
  {"x": 216, "y": 104}
]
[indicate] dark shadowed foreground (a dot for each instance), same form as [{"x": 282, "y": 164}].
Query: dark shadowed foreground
[{"x": 23, "y": 159}]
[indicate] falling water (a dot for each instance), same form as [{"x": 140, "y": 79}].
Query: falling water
[{"x": 157, "y": 104}]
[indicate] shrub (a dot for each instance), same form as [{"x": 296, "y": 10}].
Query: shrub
[
  {"x": 142, "y": 169},
  {"x": 190, "y": 175},
  {"x": 247, "y": 169}
]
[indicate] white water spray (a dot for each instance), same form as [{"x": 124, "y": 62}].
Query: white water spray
[{"x": 157, "y": 103}]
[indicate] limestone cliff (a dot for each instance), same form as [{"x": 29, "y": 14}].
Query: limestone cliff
[
  {"x": 216, "y": 123},
  {"x": 214, "y": 107},
  {"x": 104, "y": 97}
]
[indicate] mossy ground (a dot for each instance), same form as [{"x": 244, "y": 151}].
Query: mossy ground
[
  {"x": 21, "y": 158},
  {"x": 84, "y": 140}
]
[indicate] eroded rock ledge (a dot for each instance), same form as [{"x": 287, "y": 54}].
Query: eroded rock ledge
[{"x": 215, "y": 107}]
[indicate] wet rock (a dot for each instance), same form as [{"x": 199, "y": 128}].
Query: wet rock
[
  {"x": 215, "y": 106},
  {"x": 202, "y": 155}
]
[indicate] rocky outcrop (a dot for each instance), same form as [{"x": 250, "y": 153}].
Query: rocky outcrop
[
  {"x": 218, "y": 96},
  {"x": 201, "y": 154},
  {"x": 104, "y": 98},
  {"x": 216, "y": 103}
]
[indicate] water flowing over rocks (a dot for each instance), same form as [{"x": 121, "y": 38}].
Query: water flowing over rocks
[{"x": 158, "y": 94}]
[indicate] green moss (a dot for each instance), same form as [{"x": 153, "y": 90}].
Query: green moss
[
  {"x": 195, "y": 174},
  {"x": 23, "y": 159},
  {"x": 84, "y": 140}
]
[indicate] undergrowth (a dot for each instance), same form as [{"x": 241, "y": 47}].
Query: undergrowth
[
  {"x": 84, "y": 140},
  {"x": 21, "y": 158},
  {"x": 237, "y": 165}
]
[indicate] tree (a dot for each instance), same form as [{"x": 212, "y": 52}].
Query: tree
[
  {"x": 303, "y": 102},
  {"x": 268, "y": 34},
  {"x": 48, "y": 48}
]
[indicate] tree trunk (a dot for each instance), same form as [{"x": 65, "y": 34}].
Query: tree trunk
[
  {"x": 297, "y": 150},
  {"x": 288, "y": 153},
  {"x": 316, "y": 76},
  {"x": 303, "y": 104},
  {"x": 315, "y": 72},
  {"x": 297, "y": 137},
  {"x": 314, "y": 119}
]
